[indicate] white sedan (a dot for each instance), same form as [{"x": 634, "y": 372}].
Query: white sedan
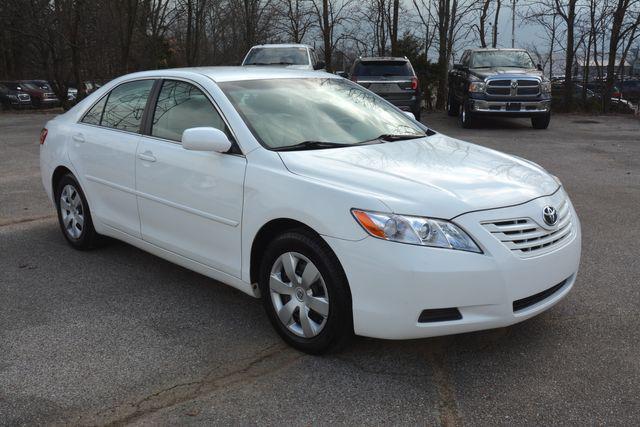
[{"x": 306, "y": 190}]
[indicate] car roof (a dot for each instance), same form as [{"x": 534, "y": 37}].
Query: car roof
[
  {"x": 235, "y": 73},
  {"x": 382, "y": 58},
  {"x": 272, "y": 45},
  {"x": 493, "y": 49}
]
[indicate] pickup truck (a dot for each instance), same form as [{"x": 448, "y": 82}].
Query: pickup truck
[{"x": 498, "y": 82}]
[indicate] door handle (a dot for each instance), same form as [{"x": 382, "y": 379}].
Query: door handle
[
  {"x": 147, "y": 156},
  {"x": 78, "y": 138}
]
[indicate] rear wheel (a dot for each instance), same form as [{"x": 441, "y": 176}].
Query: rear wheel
[
  {"x": 416, "y": 113},
  {"x": 541, "y": 122},
  {"x": 74, "y": 215},
  {"x": 305, "y": 293}
]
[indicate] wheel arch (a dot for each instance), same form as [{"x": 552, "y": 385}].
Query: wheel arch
[
  {"x": 268, "y": 232},
  {"x": 58, "y": 173}
]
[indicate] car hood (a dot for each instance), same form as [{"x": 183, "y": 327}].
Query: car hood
[
  {"x": 483, "y": 73},
  {"x": 433, "y": 176}
]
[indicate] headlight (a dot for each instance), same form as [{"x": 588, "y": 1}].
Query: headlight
[
  {"x": 476, "y": 87},
  {"x": 545, "y": 87},
  {"x": 415, "y": 230}
]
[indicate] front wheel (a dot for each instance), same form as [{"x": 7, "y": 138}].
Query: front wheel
[
  {"x": 466, "y": 118},
  {"x": 305, "y": 293},
  {"x": 541, "y": 122},
  {"x": 453, "y": 107}
]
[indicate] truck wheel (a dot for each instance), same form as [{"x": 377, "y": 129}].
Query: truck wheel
[
  {"x": 466, "y": 118},
  {"x": 453, "y": 107},
  {"x": 541, "y": 122}
]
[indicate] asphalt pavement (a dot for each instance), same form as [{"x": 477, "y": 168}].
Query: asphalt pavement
[{"x": 118, "y": 336}]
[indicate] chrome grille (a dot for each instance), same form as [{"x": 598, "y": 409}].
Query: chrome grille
[
  {"x": 525, "y": 238},
  {"x": 24, "y": 97},
  {"x": 503, "y": 87}
]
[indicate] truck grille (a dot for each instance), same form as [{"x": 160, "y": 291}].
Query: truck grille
[
  {"x": 502, "y": 87},
  {"x": 525, "y": 238}
]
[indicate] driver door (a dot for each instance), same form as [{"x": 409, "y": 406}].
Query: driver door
[{"x": 190, "y": 202}]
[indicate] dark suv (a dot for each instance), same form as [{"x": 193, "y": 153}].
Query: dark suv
[
  {"x": 391, "y": 78},
  {"x": 499, "y": 82},
  {"x": 41, "y": 95},
  {"x": 10, "y": 98}
]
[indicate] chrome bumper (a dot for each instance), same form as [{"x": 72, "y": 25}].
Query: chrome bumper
[{"x": 481, "y": 106}]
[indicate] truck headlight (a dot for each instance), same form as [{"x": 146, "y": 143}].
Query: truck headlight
[
  {"x": 476, "y": 87},
  {"x": 545, "y": 87},
  {"x": 415, "y": 230}
]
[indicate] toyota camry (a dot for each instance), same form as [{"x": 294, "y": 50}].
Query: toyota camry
[{"x": 344, "y": 215}]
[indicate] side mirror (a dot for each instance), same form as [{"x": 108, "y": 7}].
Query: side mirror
[
  {"x": 319, "y": 65},
  {"x": 539, "y": 67},
  {"x": 410, "y": 114},
  {"x": 458, "y": 67},
  {"x": 205, "y": 139}
]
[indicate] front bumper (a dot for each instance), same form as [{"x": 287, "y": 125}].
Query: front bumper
[
  {"x": 392, "y": 283},
  {"x": 504, "y": 107}
]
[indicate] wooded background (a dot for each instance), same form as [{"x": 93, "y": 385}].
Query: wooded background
[{"x": 68, "y": 41}]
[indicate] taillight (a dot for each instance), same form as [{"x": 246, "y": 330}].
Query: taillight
[
  {"x": 414, "y": 83},
  {"x": 43, "y": 135}
]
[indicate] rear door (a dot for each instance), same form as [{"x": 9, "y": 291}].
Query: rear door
[
  {"x": 103, "y": 152},
  {"x": 190, "y": 202}
]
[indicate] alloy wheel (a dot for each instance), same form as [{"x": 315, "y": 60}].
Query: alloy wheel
[
  {"x": 72, "y": 211},
  {"x": 299, "y": 294}
]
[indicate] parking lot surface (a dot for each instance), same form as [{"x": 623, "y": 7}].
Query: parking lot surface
[{"x": 116, "y": 335}]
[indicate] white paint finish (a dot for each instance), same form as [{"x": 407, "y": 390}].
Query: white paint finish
[
  {"x": 435, "y": 176},
  {"x": 105, "y": 162},
  {"x": 191, "y": 202},
  {"x": 202, "y": 210}
]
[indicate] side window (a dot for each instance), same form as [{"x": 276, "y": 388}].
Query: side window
[
  {"x": 182, "y": 106},
  {"x": 94, "y": 115},
  {"x": 125, "y": 105}
]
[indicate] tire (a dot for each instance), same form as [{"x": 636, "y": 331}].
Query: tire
[
  {"x": 416, "y": 113},
  {"x": 453, "y": 106},
  {"x": 316, "y": 305},
  {"x": 466, "y": 119},
  {"x": 541, "y": 122},
  {"x": 74, "y": 215}
]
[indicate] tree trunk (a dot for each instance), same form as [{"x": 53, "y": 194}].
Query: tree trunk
[
  {"x": 494, "y": 36},
  {"x": 483, "y": 17},
  {"x": 394, "y": 28}
]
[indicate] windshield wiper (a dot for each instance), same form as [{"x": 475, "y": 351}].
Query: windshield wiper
[
  {"x": 391, "y": 137},
  {"x": 311, "y": 145}
]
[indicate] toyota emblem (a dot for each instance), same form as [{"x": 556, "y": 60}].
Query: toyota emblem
[{"x": 550, "y": 215}]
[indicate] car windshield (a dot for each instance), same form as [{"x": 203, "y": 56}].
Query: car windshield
[
  {"x": 501, "y": 58},
  {"x": 31, "y": 86},
  {"x": 277, "y": 56},
  {"x": 383, "y": 68},
  {"x": 288, "y": 112}
]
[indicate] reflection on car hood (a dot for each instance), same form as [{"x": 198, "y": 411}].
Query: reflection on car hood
[
  {"x": 434, "y": 176},
  {"x": 483, "y": 73}
]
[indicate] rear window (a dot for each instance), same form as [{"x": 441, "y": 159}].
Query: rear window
[
  {"x": 277, "y": 56},
  {"x": 383, "y": 68}
]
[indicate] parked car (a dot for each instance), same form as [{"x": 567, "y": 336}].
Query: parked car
[
  {"x": 499, "y": 82},
  {"x": 13, "y": 98},
  {"x": 391, "y": 78},
  {"x": 310, "y": 192},
  {"x": 39, "y": 97},
  {"x": 630, "y": 89},
  {"x": 298, "y": 56}
]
